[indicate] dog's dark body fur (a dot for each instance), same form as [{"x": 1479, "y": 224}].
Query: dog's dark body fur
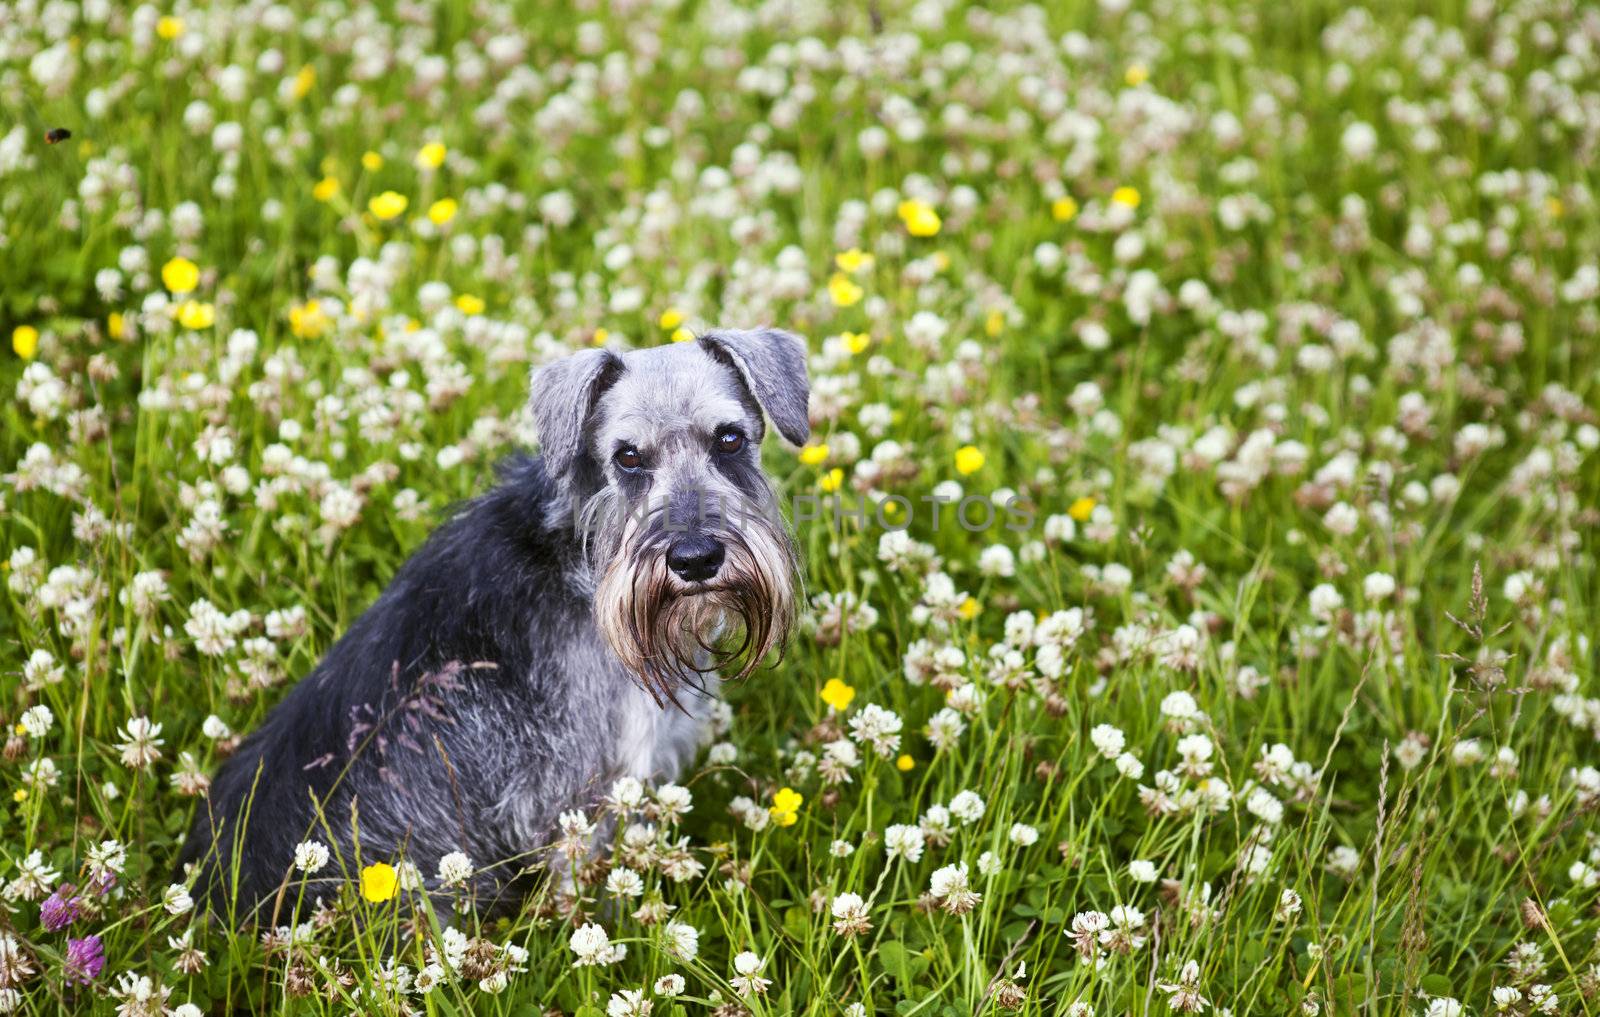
[
  {"x": 523, "y": 658},
  {"x": 468, "y": 596}
]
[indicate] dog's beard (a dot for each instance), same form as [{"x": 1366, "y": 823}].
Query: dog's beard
[{"x": 669, "y": 633}]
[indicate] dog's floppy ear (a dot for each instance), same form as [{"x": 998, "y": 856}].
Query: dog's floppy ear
[
  {"x": 773, "y": 365},
  {"x": 561, "y": 395}
]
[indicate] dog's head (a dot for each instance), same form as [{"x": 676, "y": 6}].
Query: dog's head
[{"x": 659, "y": 452}]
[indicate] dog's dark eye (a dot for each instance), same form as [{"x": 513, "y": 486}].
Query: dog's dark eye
[
  {"x": 729, "y": 442},
  {"x": 628, "y": 459}
]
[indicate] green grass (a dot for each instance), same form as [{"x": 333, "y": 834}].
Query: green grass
[{"x": 1366, "y": 331}]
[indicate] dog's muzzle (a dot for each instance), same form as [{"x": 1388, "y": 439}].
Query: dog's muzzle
[{"x": 676, "y": 606}]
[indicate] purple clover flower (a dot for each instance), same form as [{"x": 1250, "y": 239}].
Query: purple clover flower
[
  {"x": 60, "y": 909},
  {"x": 86, "y": 958}
]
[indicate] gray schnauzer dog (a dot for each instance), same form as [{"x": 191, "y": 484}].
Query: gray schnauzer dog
[{"x": 561, "y": 631}]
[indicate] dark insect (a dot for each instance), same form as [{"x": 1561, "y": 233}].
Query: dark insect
[{"x": 56, "y": 135}]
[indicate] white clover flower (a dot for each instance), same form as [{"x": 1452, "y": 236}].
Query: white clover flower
[
  {"x": 591, "y": 944},
  {"x": 1023, "y": 835},
  {"x": 670, "y": 985},
  {"x": 950, "y": 887},
  {"x": 673, "y": 801},
  {"x": 1378, "y": 586},
  {"x": 1324, "y": 601},
  {"x": 455, "y": 869},
  {"x": 1343, "y": 861},
  {"x": 748, "y": 981},
  {"x": 875, "y": 726},
  {"x": 1179, "y": 706},
  {"x": 1289, "y": 905},
  {"x": 967, "y": 806},
  {"x": 1359, "y": 141},
  {"x": 624, "y": 882},
  {"x": 1107, "y": 740},
  {"x": 310, "y": 856},
  {"x": 428, "y": 978},
  {"x": 628, "y": 1003},
  {"x": 37, "y": 720},
  {"x": 849, "y": 915},
  {"x": 681, "y": 941},
  {"x": 905, "y": 842},
  {"x": 627, "y": 795},
  {"x": 41, "y": 670},
  {"x": 141, "y": 743},
  {"x": 945, "y": 728},
  {"x": 1264, "y": 806},
  {"x": 997, "y": 560}
]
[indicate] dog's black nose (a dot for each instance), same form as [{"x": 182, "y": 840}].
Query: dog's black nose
[{"x": 695, "y": 558}]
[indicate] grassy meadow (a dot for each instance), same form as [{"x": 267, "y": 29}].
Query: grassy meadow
[{"x": 1280, "y": 323}]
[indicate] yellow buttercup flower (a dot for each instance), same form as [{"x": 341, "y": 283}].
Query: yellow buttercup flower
[
  {"x": 180, "y": 275},
  {"x": 920, "y": 218},
  {"x": 904, "y": 763},
  {"x": 1136, "y": 75},
  {"x": 388, "y": 205},
  {"x": 853, "y": 260},
  {"x": 442, "y": 211},
  {"x": 857, "y": 342},
  {"x": 379, "y": 882},
  {"x": 814, "y": 455},
  {"x": 832, "y": 480},
  {"x": 969, "y": 608},
  {"x": 837, "y": 694},
  {"x": 1081, "y": 509},
  {"x": 194, "y": 315},
  {"x": 671, "y": 318},
  {"x": 844, "y": 292},
  {"x": 1063, "y": 210},
  {"x": 372, "y": 162},
  {"x": 325, "y": 189},
  {"x": 25, "y": 341},
  {"x": 599, "y": 338},
  {"x": 786, "y": 804},
  {"x": 169, "y": 27},
  {"x": 1127, "y": 196},
  {"x": 681, "y": 335},
  {"x": 303, "y": 80},
  {"x": 994, "y": 323},
  {"x": 19, "y": 795},
  {"x": 116, "y": 325},
  {"x": 431, "y": 156},
  {"x": 941, "y": 261},
  {"x": 308, "y": 320},
  {"x": 466, "y": 303},
  {"x": 969, "y": 460},
  {"x": 1554, "y": 207}
]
